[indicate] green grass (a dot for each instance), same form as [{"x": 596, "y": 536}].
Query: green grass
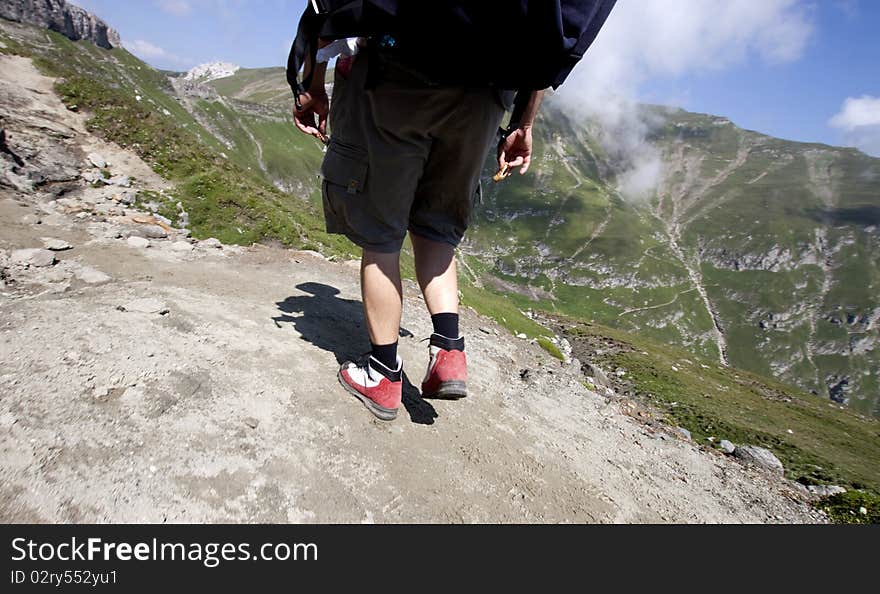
[
  {"x": 846, "y": 508},
  {"x": 549, "y": 346}
]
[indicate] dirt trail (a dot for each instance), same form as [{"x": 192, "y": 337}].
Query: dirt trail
[{"x": 226, "y": 406}]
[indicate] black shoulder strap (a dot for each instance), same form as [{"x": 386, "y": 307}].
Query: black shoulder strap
[{"x": 305, "y": 44}]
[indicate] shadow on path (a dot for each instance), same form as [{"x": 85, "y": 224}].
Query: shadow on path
[{"x": 337, "y": 325}]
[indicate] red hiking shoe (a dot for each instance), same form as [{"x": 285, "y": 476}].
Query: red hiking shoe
[
  {"x": 447, "y": 368},
  {"x": 377, "y": 386}
]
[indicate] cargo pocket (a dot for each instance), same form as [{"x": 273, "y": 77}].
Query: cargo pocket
[{"x": 345, "y": 176}]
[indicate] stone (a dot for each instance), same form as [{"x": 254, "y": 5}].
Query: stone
[
  {"x": 152, "y": 231},
  {"x": 127, "y": 197},
  {"x": 97, "y": 160},
  {"x": 92, "y": 177},
  {"x": 727, "y": 447},
  {"x": 682, "y": 432},
  {"x": 35, "y": 257},
  {"x": 145, "y": 305},
  {"x": 90, "y": 275},
  {"x": 825, "y": 490},
  {"x": 598, "y": 374},
  {"x": 120, "y": 180},
  {"x": 56, "y": 245},
  {"x": 182, "y": 246},
  {"x": 760, "y": 457},
  {"x": 213, "y": 242},
  {"x": 138, "y": 242},
  {"x": 521, "y": 336}
]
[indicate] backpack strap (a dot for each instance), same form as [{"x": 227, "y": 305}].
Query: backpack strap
[{"x": 304, "y": 45}]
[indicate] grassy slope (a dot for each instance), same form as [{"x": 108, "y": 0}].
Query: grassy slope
[
  {"x": 817, "y": 441},
  {"x": 775, "y": 201}
]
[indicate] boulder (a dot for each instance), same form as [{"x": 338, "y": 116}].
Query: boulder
[
  {"x": 727, "y": 447},
  {"x": 56, "y": 245},
  {"x": 213, "y": 242},
  {"x": 682, "y": 432},
  {"x": 35, "y": 257},
  {"x": 760, "y": 457},
  {"x": 97, "y": 160},
  {"x": 138, "y": 242}
]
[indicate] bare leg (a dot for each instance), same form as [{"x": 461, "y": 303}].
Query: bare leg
[
  {"x": 436, "y": 273},
  {"x": 382, "y": 295}
]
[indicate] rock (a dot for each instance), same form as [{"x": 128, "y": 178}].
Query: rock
[
  {"x": 760, "y": 457},
  {"x": 182, "y": 246},
  {"x": 598, "y": 375},
  {"x": 90, "y": 275},
  {"x": 71, "y": 21},
  {"x": 213, "y": 242},
  {"x": 521, "y": 336},
  {"x": 251, "y": 422},
  {"x": 97, "y": 160},
  {"x": 35, "y": 257},
  {"x": 138, "y": 242},
  {"x": 825, "y": 490},
  {"x": 120, "y": 180},
  {"x": 92, "y": 177},
  {"x": 151, "y": 231},
  {"x": 145, "y": 305},
  {"x": 863, "y": 510},
  {"x": 727, "y": 447},
  {"x": 682, "y": 432},
  {"x": 127, "y": 197},
  {"x": 56, "y": 245}
]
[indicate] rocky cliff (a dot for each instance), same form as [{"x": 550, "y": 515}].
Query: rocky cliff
[{"x": 71, "y": 21}]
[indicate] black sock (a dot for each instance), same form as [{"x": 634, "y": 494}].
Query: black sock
[
  {"x": 445, "y": 324},
  {"x": 386, "y": 354}
]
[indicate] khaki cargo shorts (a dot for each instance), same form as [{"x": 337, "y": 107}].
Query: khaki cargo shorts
[{"x": 404, "y": 156}]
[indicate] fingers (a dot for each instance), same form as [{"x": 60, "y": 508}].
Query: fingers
[
  {"x": 322, "y": 127},
  {"x": 502, "y": 160},
  {"x": 516, "y": 162},
  {"x": 301, "y": 121},
  {"x": 527, "y": 160}
]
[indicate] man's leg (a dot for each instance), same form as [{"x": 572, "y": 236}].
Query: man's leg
[
  {"x": 378, "y": 380},
  {"x": 436, "y": 273},
  {"x": 382, "y": 296},
  {"x": 435, "y": 269}
]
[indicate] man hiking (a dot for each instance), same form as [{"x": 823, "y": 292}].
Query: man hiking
[{"x": 413, "y": 115}]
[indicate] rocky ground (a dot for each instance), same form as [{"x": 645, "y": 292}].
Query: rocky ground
[{"x": 149, "y": 377}]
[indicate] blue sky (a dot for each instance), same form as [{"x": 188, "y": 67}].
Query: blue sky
[{"x": 789, "y": 68}]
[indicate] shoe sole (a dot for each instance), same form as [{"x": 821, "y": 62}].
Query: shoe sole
[
  {"x": 449, "y": 390},
  {"x": 385, "y": 414}
]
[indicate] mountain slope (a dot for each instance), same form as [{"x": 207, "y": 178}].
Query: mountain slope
[{"x": 760, "y": 252}]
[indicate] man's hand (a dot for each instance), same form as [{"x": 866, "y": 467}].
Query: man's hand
[
  {"x": 516, "y": 149},
  {"x": 314, "y": 103}
]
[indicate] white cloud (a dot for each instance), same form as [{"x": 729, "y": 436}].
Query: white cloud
[
  {"x": 660, "y": 39},
  {"x": 153, "y": 53},
  {"x": 858, "y": 112},
  {"x": 859, "y": 119},
  {"x": 176, "y": 7}
]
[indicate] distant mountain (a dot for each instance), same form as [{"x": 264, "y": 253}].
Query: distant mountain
[
  {"x": 211, "y": 71},
  {"x": 71, "y": 21},
  {"x": 760, "y": 252}
]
